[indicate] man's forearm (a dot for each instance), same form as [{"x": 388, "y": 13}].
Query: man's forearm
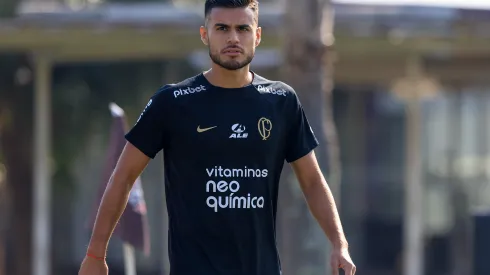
[
  {"x": 111, "y": 208},
  {"x": 322, "y": 205}
]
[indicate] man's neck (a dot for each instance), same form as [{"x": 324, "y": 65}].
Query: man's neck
[{"x": 229, "y": 79}]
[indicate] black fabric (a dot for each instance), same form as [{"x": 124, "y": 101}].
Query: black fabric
[{"x": 224, "y": 150}]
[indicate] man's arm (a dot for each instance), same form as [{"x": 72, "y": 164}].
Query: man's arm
[
  {"x": 319, "y": 198},
  {"x": 130, "y": 165}
]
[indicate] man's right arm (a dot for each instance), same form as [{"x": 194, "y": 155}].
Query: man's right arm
[
  {"x": 131, "y": 164},
  {"x": 144, "y": 140}
]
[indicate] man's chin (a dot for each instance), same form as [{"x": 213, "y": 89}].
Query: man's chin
[{"x": 231, "y": 66}]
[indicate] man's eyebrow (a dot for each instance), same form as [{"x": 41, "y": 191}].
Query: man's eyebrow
[
  {"x": 227, "y": 26},
  {"x": 244, "y": 26},
  {"x": 220, "y": 25}
]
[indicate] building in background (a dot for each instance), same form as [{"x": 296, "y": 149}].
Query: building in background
[{"x": 373, "y": 44}]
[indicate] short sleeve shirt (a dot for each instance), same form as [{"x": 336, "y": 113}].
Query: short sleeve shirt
[{"x": 224, "y": 151}]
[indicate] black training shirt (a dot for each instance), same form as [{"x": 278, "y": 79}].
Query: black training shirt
[{"x": 224, "y": 150}]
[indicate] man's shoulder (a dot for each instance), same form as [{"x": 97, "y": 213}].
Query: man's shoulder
[
  {"x": 273, "y": 87},
  {"x": 187, "y": 86}
]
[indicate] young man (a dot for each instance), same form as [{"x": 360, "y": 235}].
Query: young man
[{"x": 225, "y": 135}]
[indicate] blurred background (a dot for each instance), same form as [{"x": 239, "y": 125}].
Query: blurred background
[{"x": 397, "y": 92}]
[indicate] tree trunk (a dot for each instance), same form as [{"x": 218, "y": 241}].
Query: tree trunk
[
  {"x": 308, "y": 69},
  {"x": 16, "y": 147},
  {"x": 4, "y": 209}
]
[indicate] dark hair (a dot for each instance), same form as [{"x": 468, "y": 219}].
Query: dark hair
[{"x": 211, "y": 4}]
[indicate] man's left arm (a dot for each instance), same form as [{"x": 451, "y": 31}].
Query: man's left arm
[{"x": 322, "y": 206}]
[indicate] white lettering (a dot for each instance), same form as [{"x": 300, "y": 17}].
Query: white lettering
[
  {"x": 189, "y": 90},
  {"x": 239, "y": 202},
  {"x": 222, "y": 186},
  {"x": 260, "y": 202},
  {"x": 224, "y": 203},
  {"x": 222, "y": 199},
  {"x": 212, "y": 183},
  {"x": 245, "y": 172},
  {"x": 212, "y": 202},
  {"x": 231, "y": 201},
  {"x": 252, "y": 203},
  {"x": 237, "y": 172},
  {"x": 238, "y": 131},
  {"x": 242, "y": 135},
  {"x": 144, "y": 110},
  {"x": 236, "y": 184},
  {"x": 227, "y": 173},
  {"x": 270, "y": 90}
]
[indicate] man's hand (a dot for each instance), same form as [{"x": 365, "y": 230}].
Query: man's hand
[
  {"x": 129, "y": 166},
  {"x": 93, "y": 267},
  {"x": 322, "y": 205},
  {"x": 340, "y": 258}
]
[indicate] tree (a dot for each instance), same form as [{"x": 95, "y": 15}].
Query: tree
[
  {"x": 308, "y": 68},
  {"x": 16, "y": 146}
]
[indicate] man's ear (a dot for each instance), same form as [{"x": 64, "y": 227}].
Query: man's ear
[
  {"x": 258, "y": 36},
  {"x": 204, "y": 35}
]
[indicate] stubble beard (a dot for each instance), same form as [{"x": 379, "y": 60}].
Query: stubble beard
[{"x": 231, "y": 65}]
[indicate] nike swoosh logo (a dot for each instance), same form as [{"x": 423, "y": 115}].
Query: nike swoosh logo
[{"x": 200, "y": 130}]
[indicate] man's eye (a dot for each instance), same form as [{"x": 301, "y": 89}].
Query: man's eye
[{"x": 222, "y": 29}]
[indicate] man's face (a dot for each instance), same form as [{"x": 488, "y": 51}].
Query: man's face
[{"x": 231, "y": 35}]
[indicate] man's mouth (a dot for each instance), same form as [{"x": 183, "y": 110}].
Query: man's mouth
[{"x": 232, "y": 51}]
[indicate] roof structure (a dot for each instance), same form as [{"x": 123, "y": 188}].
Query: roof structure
[{"x": 364, "y": 34}]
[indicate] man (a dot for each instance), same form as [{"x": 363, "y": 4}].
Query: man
[{"x": 225, "y": 134}]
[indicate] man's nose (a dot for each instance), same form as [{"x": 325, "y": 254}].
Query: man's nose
[{"x": 233, "y": 38}]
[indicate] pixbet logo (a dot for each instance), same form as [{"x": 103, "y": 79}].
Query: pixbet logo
[
  {"x": 189, "y": 90},
  {"x": 270, "y": 90},
  {"x": 238, "y": 131}
]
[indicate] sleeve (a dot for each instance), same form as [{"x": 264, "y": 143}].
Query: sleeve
[
  {"x": 301, "y": 139},
  {"x": 149, "y": 132}
]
